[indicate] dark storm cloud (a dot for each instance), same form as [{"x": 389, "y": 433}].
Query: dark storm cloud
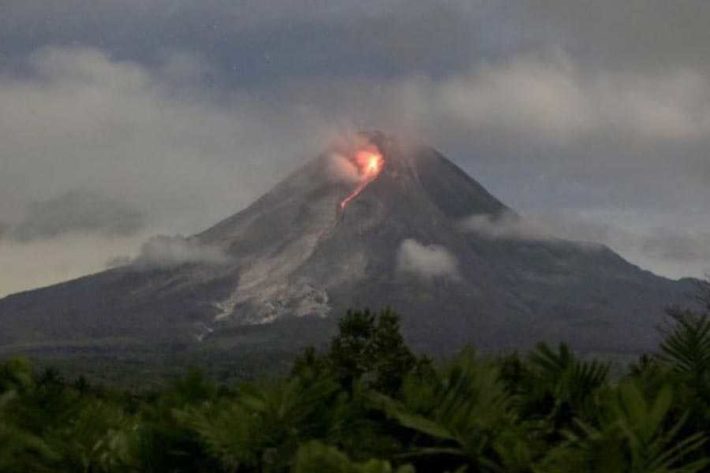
[
  {"x": 77, "y": 212},
  {"x": 260, "y": 42},
  {"x": 256, "y": 43}
]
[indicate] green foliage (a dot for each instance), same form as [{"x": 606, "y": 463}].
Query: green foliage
[
  {"x": 631, "y": 434},
  {"x": 687, "y": 348},
  {"x": 263, "y": 426},
  {"x": 559, "y": 386},
  {"x": 369, "y": 347},
  {"x": 367, "y": 404},
  {"x": 462, "y": 412},
  {"x": 15, "y": 375},
  {"x": 316, "y": 457}
]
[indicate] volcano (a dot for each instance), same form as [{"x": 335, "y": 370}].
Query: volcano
[{"x": 324, "y": 240}]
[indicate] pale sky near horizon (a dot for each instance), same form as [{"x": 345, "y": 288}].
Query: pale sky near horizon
[{"x": 123, "y": 119}]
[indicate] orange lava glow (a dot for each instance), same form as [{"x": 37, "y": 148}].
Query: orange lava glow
[{"x": 369, "y": 164}]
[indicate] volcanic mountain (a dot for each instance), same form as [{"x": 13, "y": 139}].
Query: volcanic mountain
[{"x": 276, "y": 275}]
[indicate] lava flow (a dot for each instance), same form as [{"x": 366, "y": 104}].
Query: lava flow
[{"x": 369, "y": 164}]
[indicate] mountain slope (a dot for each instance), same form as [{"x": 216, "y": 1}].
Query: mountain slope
[{"x": 294, "y": 260}]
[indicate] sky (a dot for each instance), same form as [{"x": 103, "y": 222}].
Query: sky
[{"x": 125, "y": 119}]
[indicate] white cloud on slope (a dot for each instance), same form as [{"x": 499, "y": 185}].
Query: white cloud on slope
[
  {"x": 426, "y": 261},
  {"x": 167, "y": 251}
]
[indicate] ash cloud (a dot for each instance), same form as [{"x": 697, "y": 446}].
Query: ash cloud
[
  {"x": 340, "y": 166},
  {"x": 426, "y": 261},
  {"x": 77, "y": 211},
  {"x": 168, "y": 251}
]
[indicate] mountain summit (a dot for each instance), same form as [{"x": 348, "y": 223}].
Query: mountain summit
[{"x": 372, "y": 223}]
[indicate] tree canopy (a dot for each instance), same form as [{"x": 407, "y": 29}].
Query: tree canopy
[{"x": 367, "y": 404}]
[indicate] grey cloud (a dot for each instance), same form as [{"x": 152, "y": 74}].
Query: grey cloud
[
  {"x": 687, "y": 247},
  {"x": 426, "y": 261},
  {"x": 188, "y": 159},
  {"x": 78, "y": 212},
  {"x": 549, "y": 98},
  {"x": 541, "y": 132},
  {"x": 260, "y": 43},
  {"x": 273, "y": 41},
  {"x": 167, "y": 251},
  {"x": 642, "y": 35},
  {"x": 507, "y": 226},
  {"x": 141, "y": 138},
  {"x": 42, "y": 262},
  {"x": 118, "y": 261},
  {"x": 677, "y": 252}
]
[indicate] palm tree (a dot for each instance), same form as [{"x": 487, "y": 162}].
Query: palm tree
[
  {"x": 631, "y": 433},
  {"x": 317, "y": 457},
  {"x": 557, "y": 386},
  {"x": 463, "y": 417},
  {"x": 261, "y": 428},
  {"x": 686, "y": 349}
]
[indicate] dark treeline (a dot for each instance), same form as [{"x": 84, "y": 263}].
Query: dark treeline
[{"x": 368, "y": 404}]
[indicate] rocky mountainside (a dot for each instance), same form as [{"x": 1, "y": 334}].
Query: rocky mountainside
[{"x": 276, "y": 275}]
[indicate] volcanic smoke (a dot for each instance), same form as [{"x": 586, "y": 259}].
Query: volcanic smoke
[{"x": 369, "y": 163}]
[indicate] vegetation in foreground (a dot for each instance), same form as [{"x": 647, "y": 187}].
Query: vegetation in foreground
[{"x": 368, "y": 404}]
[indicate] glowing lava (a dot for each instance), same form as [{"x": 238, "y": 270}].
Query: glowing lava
[{"x": 369, "y": 164}]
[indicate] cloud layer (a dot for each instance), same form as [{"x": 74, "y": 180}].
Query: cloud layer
[
  {"x": 145, "y": 136},
  {"x": 167, "y": 251},
  {"x": 506, "y": 226},
  {"x": 77, "y": 212},
  {"x": 677, "y": 253},
  {"x": 550, "y": 98},
  {"x": 674, "y": 252}
]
